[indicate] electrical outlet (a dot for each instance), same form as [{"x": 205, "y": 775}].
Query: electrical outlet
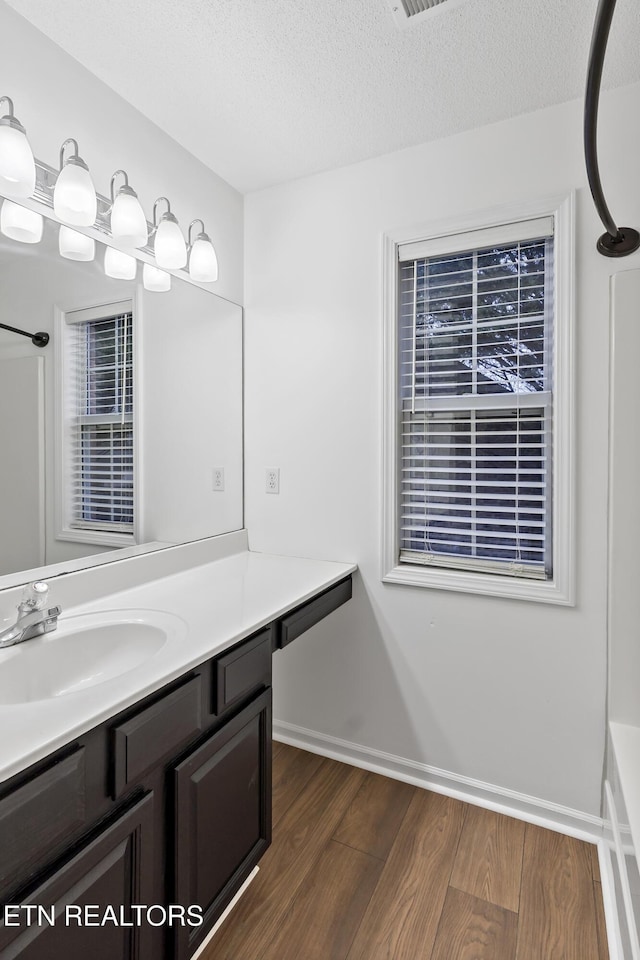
[
  {"x": 218, "y": 479},
  {"x": 273, "y": 480}
]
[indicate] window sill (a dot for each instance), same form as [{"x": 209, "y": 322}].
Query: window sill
[
  {"x": 511, "y": 588},
  {"x": 100, "y": 538}
]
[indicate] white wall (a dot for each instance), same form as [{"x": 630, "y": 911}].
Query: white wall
[
  {"x": 509, "y": 692},
  {"x": 55, "y": 98}
]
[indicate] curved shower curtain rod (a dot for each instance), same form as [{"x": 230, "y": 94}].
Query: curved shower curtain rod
[{"x": 617, "y": 241}]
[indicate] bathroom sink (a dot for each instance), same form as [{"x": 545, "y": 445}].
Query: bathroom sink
[{"x": 83, "y": 652}]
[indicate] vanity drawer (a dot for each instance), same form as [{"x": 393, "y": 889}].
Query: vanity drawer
[
  {"x": 154, "y": 734},
  {"x": 41, "y": 814},
  {"x": 243, "y": 670},
  {"x": 312, "y": 612}
]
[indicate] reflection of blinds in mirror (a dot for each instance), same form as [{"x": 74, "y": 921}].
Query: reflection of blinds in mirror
[
  {"x": 100, "y": 466},
  {"x": 476, "y": 403}
]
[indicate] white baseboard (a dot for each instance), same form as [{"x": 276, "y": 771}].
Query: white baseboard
[{"x": 553, "y": 816}]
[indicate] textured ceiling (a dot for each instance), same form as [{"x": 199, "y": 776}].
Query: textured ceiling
[{"x": 264, "y": 91}]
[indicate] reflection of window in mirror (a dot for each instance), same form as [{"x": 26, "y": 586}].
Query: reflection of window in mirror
[{"x": 96, "y": 496}]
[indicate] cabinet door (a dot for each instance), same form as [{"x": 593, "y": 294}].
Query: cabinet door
[
  {"x": 223, "y": 816},
  {"x": 111, "y": 870}
]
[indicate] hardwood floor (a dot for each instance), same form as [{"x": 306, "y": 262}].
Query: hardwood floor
[{"x": 366, "y": 868}]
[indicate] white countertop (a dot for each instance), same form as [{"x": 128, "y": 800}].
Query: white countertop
[{"x": 221, "y": 603}]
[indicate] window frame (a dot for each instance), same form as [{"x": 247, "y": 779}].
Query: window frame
[
  {"x": 561, "y": 588},
  {"x": 64, "y": 528}
]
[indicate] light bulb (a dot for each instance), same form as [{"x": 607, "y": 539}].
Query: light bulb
[
  {"x": 17, "y": 166},
  {"x": 169, "y": 246},
  {"x": 119, "y": 265},
  {"x": 203, "y": 263},
  {"x": 74, "y": 195},
  {"x": 128, "y": 222},
  {"x": 154, "y": 279},
  {"x": 75, "y": 246},
  {"x": 21, "y": 224}
]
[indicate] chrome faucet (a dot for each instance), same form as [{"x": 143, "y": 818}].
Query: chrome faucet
[{"x": 34, "y": 617}]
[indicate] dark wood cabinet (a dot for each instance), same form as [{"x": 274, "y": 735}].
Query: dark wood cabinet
[
  {"x": 242, "y": 671},
  {"x": 155, "y": 733},
  {"x": 114, "y": 868},
  {"x": 222, "y": 798},
  {"x": 41, "y": 815},
  {"x": 167, "y": 803},
  {"x": 302, "y": 618}
]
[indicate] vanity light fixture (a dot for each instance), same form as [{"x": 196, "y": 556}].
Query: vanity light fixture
[
  {"x": 75, "y": 246},
  {"x": 154, "y": 279},
  {"x": 203, "y": 263},
  {"x": 21, "y": 224},
  {"x": 128, "y": 222},
  {"x": 168, "y": 246},
  {"x": 74, "y": 195},
  {"x": 17, "y": 166},
  {"x": 119, "y": 265}
]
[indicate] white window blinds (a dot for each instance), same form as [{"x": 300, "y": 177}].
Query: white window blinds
[
  {"x": 475, "y": 355},
  {"x": 99, "y": 421}
]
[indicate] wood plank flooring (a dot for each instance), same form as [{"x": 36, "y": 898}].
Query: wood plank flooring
[{"x": 366, "y": 868}]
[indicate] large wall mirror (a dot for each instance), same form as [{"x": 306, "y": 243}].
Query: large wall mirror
[{"x": 180, "y": 418}]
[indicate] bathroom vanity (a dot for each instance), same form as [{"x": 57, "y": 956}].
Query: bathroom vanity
[{"x": 151, "y": 788}]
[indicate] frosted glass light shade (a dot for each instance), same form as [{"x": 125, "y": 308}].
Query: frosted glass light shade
[
  {"x": 119, "y": 265},
  {"x": 74, "y": 195},
  {"x": 17, "y": 166},
  {"x": 75, "y": 246},
  {"x": 21, "y": 224},
  {"x": 169, "y": 246},
  {"x": 128, "y": 222},
  {"x": 154, "y": 279},
  {"x": 203, "y": 263}
]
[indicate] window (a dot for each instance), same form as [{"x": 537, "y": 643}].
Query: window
[
  {"x": 98, "y": 428},
  {"x": 475, "y": 451}
]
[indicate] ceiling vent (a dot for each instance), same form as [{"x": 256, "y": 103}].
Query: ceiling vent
[{"x": 416, "y": 11}]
